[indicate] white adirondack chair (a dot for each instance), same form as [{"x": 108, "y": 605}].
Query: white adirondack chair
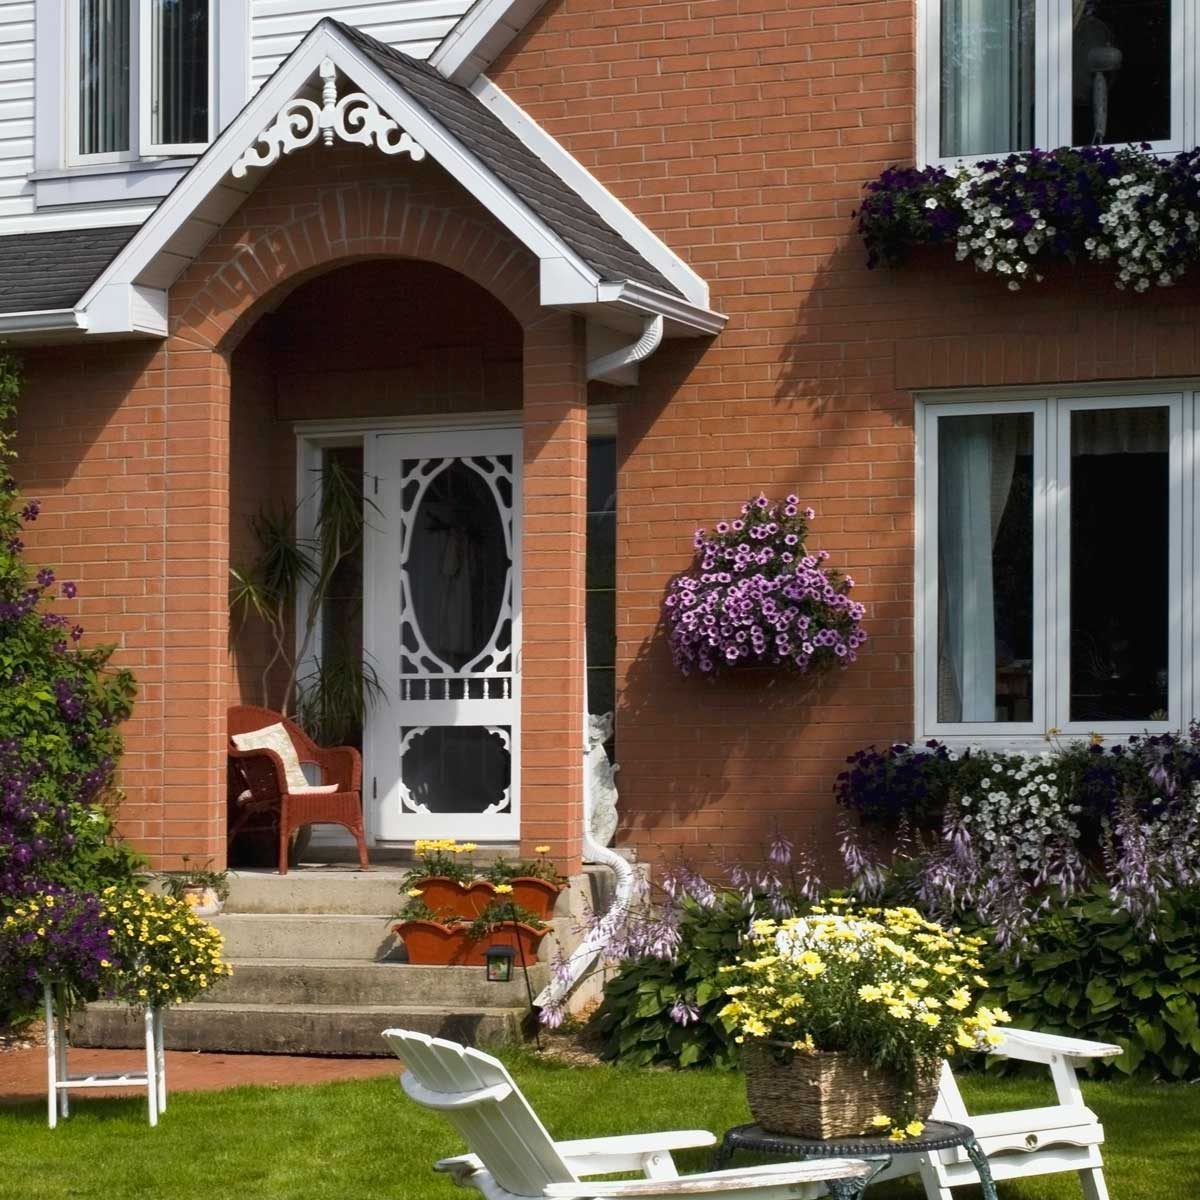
[
  {"x": 1025, "y": 1142},
  {"x": 515, "y": 1157}
]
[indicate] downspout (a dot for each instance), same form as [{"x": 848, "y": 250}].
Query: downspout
[
  {"x": 628, "y": 356},
  {"x": 566, "y": 978}
]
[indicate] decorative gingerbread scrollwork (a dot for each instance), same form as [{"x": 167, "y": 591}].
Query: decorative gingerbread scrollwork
[{"x": 354, "y": 118}]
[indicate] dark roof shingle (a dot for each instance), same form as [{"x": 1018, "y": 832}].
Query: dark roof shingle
[
  {"x": 53, "y": 270},
  {"x": 513, "y": 163}
]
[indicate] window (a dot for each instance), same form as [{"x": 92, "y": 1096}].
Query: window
[
  {"x": 142, "y": 78},
  {"x": 1006, "y": 75},
  {"x": 601, "y": 570},
  {"x": 1051, "y": 565}
]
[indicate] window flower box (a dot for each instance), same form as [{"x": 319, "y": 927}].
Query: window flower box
[{"x": 453, "y": 898}]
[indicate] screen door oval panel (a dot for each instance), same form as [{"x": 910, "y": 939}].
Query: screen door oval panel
[{"x": 443, "y": 581}]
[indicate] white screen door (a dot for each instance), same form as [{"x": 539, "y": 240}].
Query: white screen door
[{"x": 443, "y": 588}]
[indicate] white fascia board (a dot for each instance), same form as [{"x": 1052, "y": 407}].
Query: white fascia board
[
  {"x": 479, "y": 36},
  {"x": 572, "y": 172},
  {"x": 57, "y": 222},
  {"x": 215, "y": 165},
  {"x": 128, "y": 308}
]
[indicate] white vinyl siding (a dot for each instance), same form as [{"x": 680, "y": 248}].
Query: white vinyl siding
[
  {"x": 16, "y": 106},
  {"x": 414, "y": 26}
]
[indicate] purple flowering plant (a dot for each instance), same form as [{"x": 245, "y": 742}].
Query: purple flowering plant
[
  {"x": 756, "y": 596},
  {"x": 60, "y": 707},
  {"x": 1124, "y": 207}
]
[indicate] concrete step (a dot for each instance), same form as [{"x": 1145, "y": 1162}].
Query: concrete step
[
  {"x": 293, "y": 1028},
  {"x": 328, "y": 892},
  {"x": 345, "y": 983},
  {"x": 306, "y": 935}
]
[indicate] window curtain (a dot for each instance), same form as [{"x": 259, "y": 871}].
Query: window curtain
[
  {"x": 104, "y": 55},
  {"x": 976, "y": 463},
  {"x": 179, "y": 71},
  {"x": 986, "y": 76}
]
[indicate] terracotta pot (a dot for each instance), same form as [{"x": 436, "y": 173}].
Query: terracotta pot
[
  {"x": 447, "y": 896},
  {"x": 524, "y": 939},
  {"x": 536, "y": 895},
  {"x": 431, "y": 944}
]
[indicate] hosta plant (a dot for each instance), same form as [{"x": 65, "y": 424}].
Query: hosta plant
[{"x": 756, "y": 596}]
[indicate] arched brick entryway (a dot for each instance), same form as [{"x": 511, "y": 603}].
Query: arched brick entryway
[{"x": 316, "y": 211}]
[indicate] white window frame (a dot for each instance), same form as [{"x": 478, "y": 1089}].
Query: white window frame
[
  {"x": 57, "y": 104},
  {"x": 1053, "y": 79},
  {"x": 147, "y": 147},
  {"x": 1050, "y": 694}
]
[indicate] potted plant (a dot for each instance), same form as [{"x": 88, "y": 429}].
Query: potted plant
[
  {"x": 205, "y": 890},
  {"x": 452, "y": 888},
  {"x": 845, "y": 1015},
  {"x": 436, "y": 937}
]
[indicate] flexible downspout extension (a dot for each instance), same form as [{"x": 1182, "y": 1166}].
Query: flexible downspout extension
[
  {"x": 567, "y": 977},
  {"x": 649, "y": 341}
]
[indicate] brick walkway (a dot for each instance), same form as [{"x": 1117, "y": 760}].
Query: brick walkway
[{"x": 23, "y": 1072}]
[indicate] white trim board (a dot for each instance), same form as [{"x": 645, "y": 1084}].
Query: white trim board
[{"x": 479, "y": 37}]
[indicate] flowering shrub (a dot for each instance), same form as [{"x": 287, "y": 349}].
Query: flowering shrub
[
  {"x": 1002, "y": 835},
  {"x": 165, "y": 953},
  {"x": 1122, "y": 206},
  {"x": 60, "y": 706},
  {"x": 883, "y": 985},
  {"x": 756, "y": 597},
  {"x": 56, "y": 935}
]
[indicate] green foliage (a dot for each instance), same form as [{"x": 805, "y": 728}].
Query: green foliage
[
  {"x": 1095, "y": 974},
  {"x": 635, "y": 1018}
]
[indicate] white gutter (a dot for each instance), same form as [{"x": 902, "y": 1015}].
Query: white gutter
[
  {"x": 44, "y": 320},
  {"x": 603, "y": 365}
]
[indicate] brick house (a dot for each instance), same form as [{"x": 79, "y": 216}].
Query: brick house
[{"x": 587, "y": 274}]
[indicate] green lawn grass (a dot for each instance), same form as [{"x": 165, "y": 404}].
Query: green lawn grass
[{"x": 363, "y": 1140}]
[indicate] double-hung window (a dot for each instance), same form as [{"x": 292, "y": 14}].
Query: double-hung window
[
  {"x": 1054, "y": 532},
  {"x": 141, "y": 78},
  {"x": 999, "y": 76}
]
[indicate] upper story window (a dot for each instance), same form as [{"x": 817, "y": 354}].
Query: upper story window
[
  {"x": 1054, "y": 533},
  {"x": 141, "y": 78},
  {"x": 1006, "y": 75}
]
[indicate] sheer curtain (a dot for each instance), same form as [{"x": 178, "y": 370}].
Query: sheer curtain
[
  {"x": 976, "y": 463},
  {"x": 104, "y": 56},
  {"x": 986, "y": 76}
]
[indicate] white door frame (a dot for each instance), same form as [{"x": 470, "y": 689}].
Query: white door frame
[{"x": 313, "y": 437}]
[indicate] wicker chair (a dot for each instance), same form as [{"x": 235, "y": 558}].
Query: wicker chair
[{"x": 259, "y": 784}]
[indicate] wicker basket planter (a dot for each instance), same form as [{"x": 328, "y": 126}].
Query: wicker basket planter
[{"x": 826, "y": 1094}]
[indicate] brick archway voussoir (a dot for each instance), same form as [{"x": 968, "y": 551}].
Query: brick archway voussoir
[{"x": 220, "y": 302}]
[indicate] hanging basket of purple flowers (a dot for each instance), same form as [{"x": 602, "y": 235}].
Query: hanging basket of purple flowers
[{"x": 756, "y": 597}]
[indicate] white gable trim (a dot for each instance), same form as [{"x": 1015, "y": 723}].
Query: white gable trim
[
  {"x": 479, "y": 36},
  {"x": 130, "y": 296},
  {"x": 570, "y": 170}
]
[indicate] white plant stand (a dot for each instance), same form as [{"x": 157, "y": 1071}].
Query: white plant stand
[{"x": 60, "y": 1082}]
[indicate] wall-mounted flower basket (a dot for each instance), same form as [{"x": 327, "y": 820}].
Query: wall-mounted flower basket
[
  {"x": 1124, "y": 207},
  {"x": 430, "y": 943},
  {"x": 449, "y": 897},
  {"x": 756, "y": 597}
]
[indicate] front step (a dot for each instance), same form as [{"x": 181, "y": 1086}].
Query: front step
[
  {"x": 293, "y": 1028},
  {"x": 336, "y": 982},
  {"x": 307, "y": 936}
]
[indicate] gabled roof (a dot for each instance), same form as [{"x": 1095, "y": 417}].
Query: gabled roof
[
  {"x": 510, "y": 160},
  {"x": 41, "y": 271},
  {"x": 587, "y": 263}
]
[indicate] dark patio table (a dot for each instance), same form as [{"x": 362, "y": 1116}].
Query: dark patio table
[{"x": 938, "y": 1135}]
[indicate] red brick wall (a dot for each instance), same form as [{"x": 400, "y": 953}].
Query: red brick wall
[
  {"x": 741, "y": 132},
  {"x": 130, "y": 446}
]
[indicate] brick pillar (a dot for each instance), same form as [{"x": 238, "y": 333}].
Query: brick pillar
[
  {"x": 553, "y": 547},
  {"x": 195, "y": 607}
]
